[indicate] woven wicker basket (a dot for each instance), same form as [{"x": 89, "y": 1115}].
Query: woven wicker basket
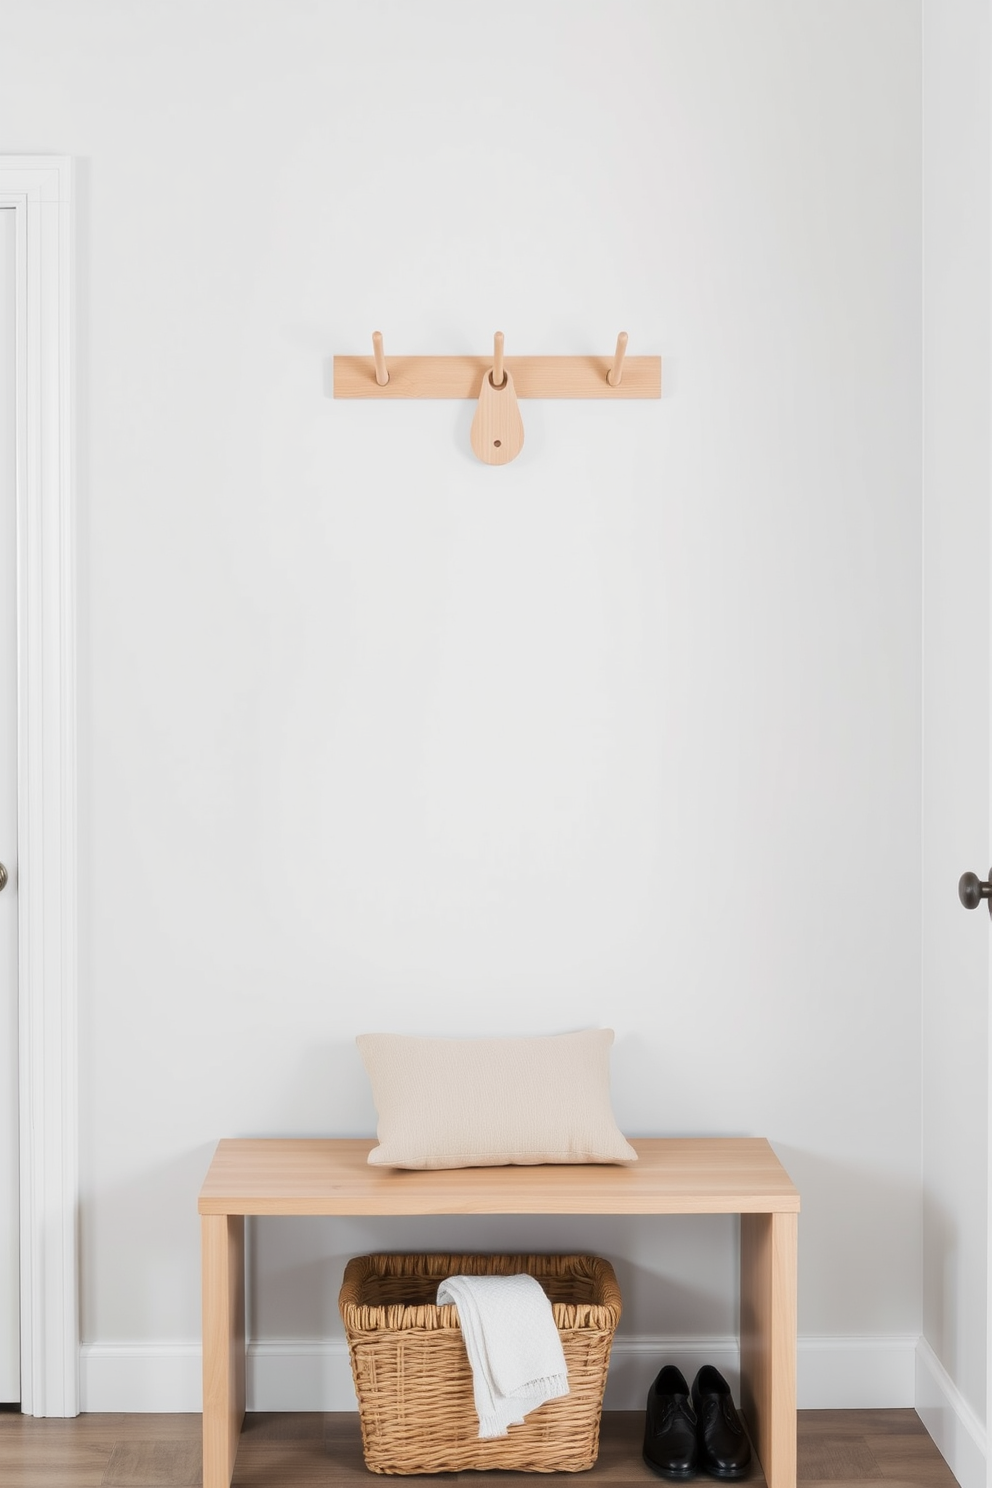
[{"x": 414, "y": 1382}]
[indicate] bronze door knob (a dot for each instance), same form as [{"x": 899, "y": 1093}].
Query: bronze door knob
[{"x": 971, "y": 890}]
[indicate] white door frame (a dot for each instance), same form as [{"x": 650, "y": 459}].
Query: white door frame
[{"x": 39, "y": 189}]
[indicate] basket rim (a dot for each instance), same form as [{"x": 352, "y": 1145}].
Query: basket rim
[{"x": 363, "y": 1318}]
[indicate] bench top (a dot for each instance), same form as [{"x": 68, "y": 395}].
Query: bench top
[{"x": 673, "y": 1175}]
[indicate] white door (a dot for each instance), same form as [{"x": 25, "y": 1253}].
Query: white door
[{"x": 10, "y": 1374}]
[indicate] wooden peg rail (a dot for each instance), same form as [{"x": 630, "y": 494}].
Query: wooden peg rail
[{"x": 618, "y": 376}]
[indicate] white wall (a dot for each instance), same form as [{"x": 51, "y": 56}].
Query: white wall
[
  {"x": 373, "y": 736},
  {"x": 952, "y": 1375}
]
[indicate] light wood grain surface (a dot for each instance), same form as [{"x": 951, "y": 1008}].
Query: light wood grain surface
[
  {"x": 687, "y": 1175},
  {"x": 673, "y": 1175},
  {"x": 497, "y": 434},
  {"x": 461, "y": 376},
  {"x": 223, "y": 1342},
  {"x": 768, "y": 1323}
]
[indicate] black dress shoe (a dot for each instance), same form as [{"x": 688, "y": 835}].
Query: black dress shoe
[
  {"x": 670, "y": 1447},
  {"x": 724, "y": 1450}
]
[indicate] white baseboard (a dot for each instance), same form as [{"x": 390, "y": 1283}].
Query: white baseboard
[
  {"x": 138, "y": 1377},
  {"x": 857, "y": 1373},
  {"x": 845, "y": 1373},
  {"x": 950, "y": 1420}
]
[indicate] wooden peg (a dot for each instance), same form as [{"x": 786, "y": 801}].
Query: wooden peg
[
  {"x": 498, "y": 377},
  {"x": 616, "y": 371},
  {"x": 381, "y": 375}
]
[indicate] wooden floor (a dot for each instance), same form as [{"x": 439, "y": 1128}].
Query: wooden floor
[{"x": 292, "y": 1450}]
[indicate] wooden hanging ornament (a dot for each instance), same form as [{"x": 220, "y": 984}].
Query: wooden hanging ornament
[{"x": 497, "y": 428}]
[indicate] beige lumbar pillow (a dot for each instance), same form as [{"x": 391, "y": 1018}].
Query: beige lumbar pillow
[{"x": 493, "y": 1102}]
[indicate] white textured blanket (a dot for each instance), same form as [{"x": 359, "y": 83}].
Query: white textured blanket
[{"x": 512, "y": 1343}]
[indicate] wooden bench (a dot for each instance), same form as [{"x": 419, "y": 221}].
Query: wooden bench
[{"x": 696, "y": 1175}]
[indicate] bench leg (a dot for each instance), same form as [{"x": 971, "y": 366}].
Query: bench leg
[
  {"x": 223, "y": 1259},
  {"x": 768, "y": 1341}
]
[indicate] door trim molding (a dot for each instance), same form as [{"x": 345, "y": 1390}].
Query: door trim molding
[{"x": 39, "y": 189}]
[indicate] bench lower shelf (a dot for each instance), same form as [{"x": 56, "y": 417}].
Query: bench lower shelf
[{"x": 315, "y": 1448}]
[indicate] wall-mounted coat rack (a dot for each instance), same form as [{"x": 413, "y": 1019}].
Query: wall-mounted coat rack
[{"x": 497, "y": 382}]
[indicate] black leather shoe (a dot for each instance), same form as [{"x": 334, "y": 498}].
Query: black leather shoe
[
  {"x": 724, "y": 1450},
  {"x": 670, "y": 1447}
]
